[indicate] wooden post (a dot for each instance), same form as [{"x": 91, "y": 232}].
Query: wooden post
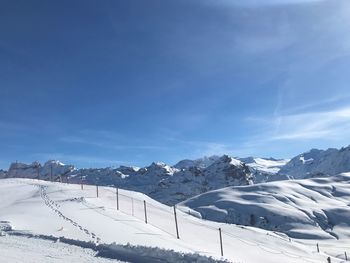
[
  {"x": 318, "y": 248},
  {"x": 144, "y": 206},
  {"x": 97, "y": 190},
  {"x": 346, "y": 256},
  {"x": 117, "y": 194},
  {"x": 329, "y": 260},
  {"x": 222, "y": 249},
  {"x": 177, "y": 227}
]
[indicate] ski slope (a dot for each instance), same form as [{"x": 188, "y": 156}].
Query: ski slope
[{"x": 50, "y": 211}]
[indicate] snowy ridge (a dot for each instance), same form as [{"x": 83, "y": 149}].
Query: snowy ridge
[
  {"x": 200, "y": 163},
  {"x": 265, "y": 169},
  {"x": 318, "y": 163}
]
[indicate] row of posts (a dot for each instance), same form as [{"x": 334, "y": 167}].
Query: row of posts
[
  {"x": 176, "y": 222},
  {"x": 329, "y": 260},
  {"x": 145, "y": 214},
  {"x": 175, "y": 215}
]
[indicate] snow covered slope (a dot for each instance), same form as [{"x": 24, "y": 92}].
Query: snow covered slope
[
  {"x": 318, "y": 162},
  {"x": 317, "y": 208},
  {"x": 264, "y": 169},
  {"x": 55, "y": 211},
  {"x": 14, "y": 249}
]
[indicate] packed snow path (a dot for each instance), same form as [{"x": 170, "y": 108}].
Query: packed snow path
[
  {"x": 14, "y": 249},
  {"x": 61, "y": 210}
]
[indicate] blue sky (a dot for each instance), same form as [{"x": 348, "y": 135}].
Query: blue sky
[{"x": 100, "y": 83}]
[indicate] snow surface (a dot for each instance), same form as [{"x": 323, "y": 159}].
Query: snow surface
[
  {"x": 318, "y": 162},
  {"x": 265, "y": 170},
  {"x": 314, "y": 210},
  {"x": 14, "y": 249},
  {"x": 39, "y": 209}
]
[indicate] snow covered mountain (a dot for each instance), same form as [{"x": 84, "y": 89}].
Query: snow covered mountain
[
  {"x": 201, "y": 163},
  {"x": 185, "y": 183},
  {"x": 171, "y": 185},
  {"x": 316, "y": 208},
  {"x": 161, "y": 181},
  {"x": 36, "y": 170},
  {"x": 264, "y": 169},
  {"x": 3, "y": 174},
  {"x": 318, "y": 163}
]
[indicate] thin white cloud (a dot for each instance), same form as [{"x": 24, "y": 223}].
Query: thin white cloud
[{"x": 324, "y": 125}]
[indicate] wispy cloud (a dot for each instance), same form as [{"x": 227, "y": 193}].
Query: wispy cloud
[
  {"x": 325, "y": 125},
  {"x": 314, "y": 125}
]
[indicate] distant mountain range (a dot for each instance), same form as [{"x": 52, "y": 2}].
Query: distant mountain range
[{"x": 187, "y": 178}]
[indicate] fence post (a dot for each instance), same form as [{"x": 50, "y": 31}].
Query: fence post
[
  {"x": 144, "y": 205},
  {"x": 329, "y": 260},
  {"x": 222, "y": 249},
  {"x": 117, "y": 194},
  {"x": 346, "y": 256},
  {"x": 177, "y": 228},
  {"x": 318, "y": 248},
  {"x": 97, "y": 190}
]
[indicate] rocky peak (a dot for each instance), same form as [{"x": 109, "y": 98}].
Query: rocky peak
[
  {"x": 159, "y": 169},
  {"x": 200, "y": 163},
  {"x": 229, "y": 170}
]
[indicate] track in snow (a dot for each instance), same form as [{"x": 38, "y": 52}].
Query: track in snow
[{"x": 56, "y": 208}]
